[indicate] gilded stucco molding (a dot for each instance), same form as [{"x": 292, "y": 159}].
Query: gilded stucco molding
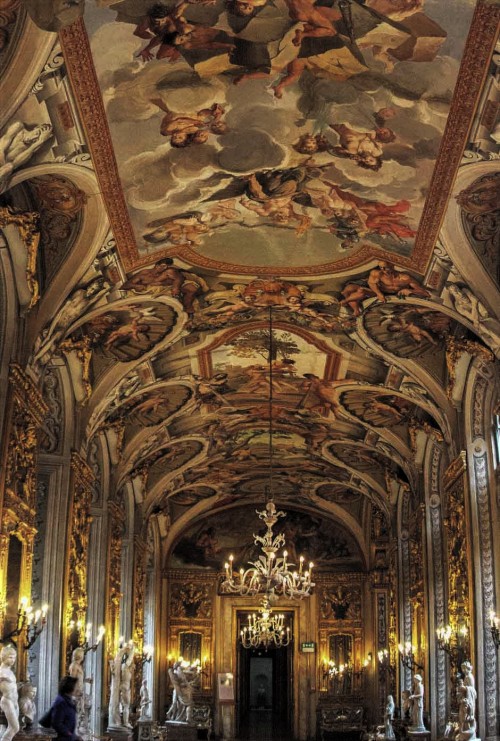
[
  {"x": 19, "y": 501},
  {"x": 27, "y": 223},
  {"x": 79, "y": 533}
]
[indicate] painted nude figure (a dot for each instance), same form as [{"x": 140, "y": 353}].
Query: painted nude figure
[
  {"x": 183, "y": 285},
  {"x": 195, "y": 128},
  {"x": 383, "y": 281},
  {"x": 164, "y": 26},
  {"x": 364, "y": 147}
]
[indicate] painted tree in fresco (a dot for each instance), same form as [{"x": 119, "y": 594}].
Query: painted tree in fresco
[{"x": 257, "y": 342}]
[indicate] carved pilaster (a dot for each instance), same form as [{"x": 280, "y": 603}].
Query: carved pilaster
[
  {"x": 436, "y": 527},
  {"x": 116, "y": 519},
  {"x": 487, "y": 590},
  {"x": 78, "y": 548},
  {"x": 457, "y": 546},
  {"x": 140, "y": 564}
]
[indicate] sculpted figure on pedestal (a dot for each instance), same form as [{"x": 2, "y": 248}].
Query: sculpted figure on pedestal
[
  {"x": 27, "y": 707},
  {"x": 8, "y": 690},
  {"x": 466, "y": 713},
  {"x": 417, "y": 698},
  {"x": 145, "y": 700},
  {"x": 182, "y": 699},
  {"x": 119, "y": 697}
]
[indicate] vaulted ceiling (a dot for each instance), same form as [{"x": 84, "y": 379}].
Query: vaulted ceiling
[{"x": 200, "y": 169}]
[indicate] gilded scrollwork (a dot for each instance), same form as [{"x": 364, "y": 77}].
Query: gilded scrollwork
[
  {"x": 19, "y": 504},
  {"x": 455, "y": 348},
  {"x": 76, "y": 596},
  {"x": 28, "y": 225},
  {"x": 116, "y": 517},
  {"x": 191, "y": 600},
  {"x": 83, "y": 352}
]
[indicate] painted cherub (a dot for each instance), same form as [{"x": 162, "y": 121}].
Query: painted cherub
[
  {"x": 195, "y": 128},
  {"x": 364, "y": 147},
  {"x": 245, "y": 8},
  {"x": 162, "y": 26}
]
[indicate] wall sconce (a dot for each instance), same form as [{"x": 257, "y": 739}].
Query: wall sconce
[
  {"x": 367, "y": 662},
  {"x": 495, "y": 626},
  {"x": 454, "y": 642},
  {"x": 88, "y": 645},
  {"x": 30, "y": 620},
  {"x": 407, "y": 657},
  {"x": 75, "y": 631},
  {"x": 384, "y": 660}
]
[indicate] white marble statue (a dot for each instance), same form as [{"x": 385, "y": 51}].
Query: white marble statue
[
  {"x": 466, "y": 713},
  {"x": 8, "y": 690},
  {"x": 119, "y": 696},
  {"x": 125, "y": 686},
  {"x": 467, "y": 674},
  {"x": 27, "y": 707},
  {"x": 389, "y": 715},
  {"x": 17, "y": 145},
  {"x": 183, "y": 683},
  {"x": 145, "y": 701},
  {"x": 83, "y": 701},
  {"x": 417, "y": 710}
]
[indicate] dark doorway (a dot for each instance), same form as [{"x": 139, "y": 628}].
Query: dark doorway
[{"x": 265, "y": 698}]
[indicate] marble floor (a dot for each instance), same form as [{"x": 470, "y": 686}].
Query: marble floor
[{"x": 261, "y": 726}]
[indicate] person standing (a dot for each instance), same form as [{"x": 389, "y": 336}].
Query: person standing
[{"x": 63, "y": 711}]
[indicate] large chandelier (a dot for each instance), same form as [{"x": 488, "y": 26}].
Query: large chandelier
[
  {"x": 272, "y": 574},
  {"x": 266, "y": 629}
]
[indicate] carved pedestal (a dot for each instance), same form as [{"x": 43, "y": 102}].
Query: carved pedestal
[
  {"x": 119, "y": 733},
  {"x": 180, "y": 731},
  {"x": 419, "y": 735},
  {"x": 144, "y": 730}
]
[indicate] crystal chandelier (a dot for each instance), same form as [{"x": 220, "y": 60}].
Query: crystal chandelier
[
  {"x": 272, "y": 574},
  {"x": 266, "y": 629}
]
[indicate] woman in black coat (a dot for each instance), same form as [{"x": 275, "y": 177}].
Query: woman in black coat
[{"x": 63, "y": 711}]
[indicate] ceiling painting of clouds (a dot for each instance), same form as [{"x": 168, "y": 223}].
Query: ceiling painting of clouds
[{"x": 319, "y": 123}]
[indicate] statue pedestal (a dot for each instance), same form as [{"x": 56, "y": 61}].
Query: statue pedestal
[
  {"x": 419, "y": 735},
  {"x": 180, "y": 731},
  {"x": 119, "y": 733},
  {"x": 144, "y": 729}
]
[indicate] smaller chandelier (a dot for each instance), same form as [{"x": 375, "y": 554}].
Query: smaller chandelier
[
  {"x": 265, "y": 630},
  {"x": 271, "y": 573}
]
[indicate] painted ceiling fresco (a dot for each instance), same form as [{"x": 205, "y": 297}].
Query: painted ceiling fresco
[
  {"x": 233, "y": 534},
  {"x": 184, "y": 181},
  {"x": 277, "y": 133}
]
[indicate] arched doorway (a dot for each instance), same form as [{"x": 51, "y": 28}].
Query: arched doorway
[{"x": 265, "y": 690}]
